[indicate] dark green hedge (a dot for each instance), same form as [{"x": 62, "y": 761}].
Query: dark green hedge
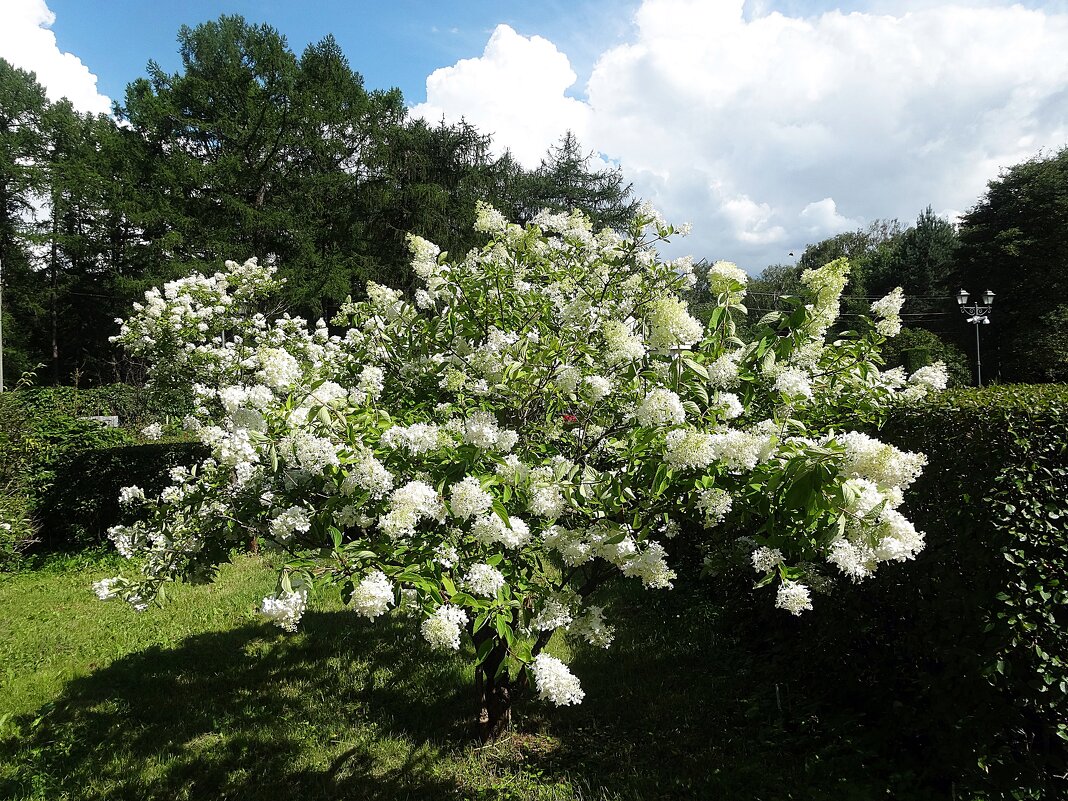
[
  {"x": 994, "y": 502},
  {"x": 48, "y": 455},
  {"x": 81, "y": 504},
  {"x": 952, "y": 666},
  {"x": 134, "y": 406}
]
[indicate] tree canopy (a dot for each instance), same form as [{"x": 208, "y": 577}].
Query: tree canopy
[{"x": 247, "y": 149}]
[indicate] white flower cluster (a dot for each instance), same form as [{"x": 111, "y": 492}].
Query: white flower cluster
[
  {"x": 555, "y": 682},
  {"x": 467, "y": 498},
  {"x": 714, "y": 504},
  {"x": 484, "y": 580},
  {"x": 766, "y": 559},
  {"x": 408, "y": 506},
  {"x": 373, "y": 595},
  {"x": 482, "y": 430},
  {"x": 293, "y": 519},
  {"x": 687, "y": 448},
  {"x": 794, "y": 597},
  {"x": 888, "y": 312},
  {"x": 285, "y": 609},
  {"x": 671, "y": 326},
  {"x": 490, "y": 529},
  {"x": 442, "y": 629},
  {"x": 793, "y": 383},
  {"x": 661, "y": 407},
  {"x": 592, "y": 628},
  {"x": 726, "y": 278},
  {"x": 128, "y": 496}
]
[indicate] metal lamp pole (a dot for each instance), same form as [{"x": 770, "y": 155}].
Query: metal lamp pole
[{"x": 978, "y": 314}]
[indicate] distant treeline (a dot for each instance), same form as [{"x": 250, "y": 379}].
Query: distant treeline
[
  {"x": 248, "y": 150},
  {"x": 251, "y": 150}
]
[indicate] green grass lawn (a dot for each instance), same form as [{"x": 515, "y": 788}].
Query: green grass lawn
[{"x": 203, "y": 700}]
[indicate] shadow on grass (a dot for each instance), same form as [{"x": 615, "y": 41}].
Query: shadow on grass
[
  {"x": 352, "y": 710},
  {"x": 342, "y": 710}
]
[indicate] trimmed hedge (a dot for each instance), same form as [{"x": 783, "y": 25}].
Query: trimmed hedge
[
  {"x": 44, "y": 445},
  {"x": 996, "y": 494},
  {"x": 955, "y": 665},
  {"x": 81, "y": 504}
]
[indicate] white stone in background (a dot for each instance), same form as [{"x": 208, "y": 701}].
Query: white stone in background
[{"x": 106, "y": 420}]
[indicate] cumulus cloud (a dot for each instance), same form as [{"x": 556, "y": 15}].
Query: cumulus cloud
[
  {"x": 770, "y": 130},
  {"x": 514, "y": 91},
  {"x": 27, "y": 43}
]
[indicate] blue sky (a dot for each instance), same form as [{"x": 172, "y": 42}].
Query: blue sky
[
  {"x": 389, "y": 43},
  {"x": 768, "y": 124}
]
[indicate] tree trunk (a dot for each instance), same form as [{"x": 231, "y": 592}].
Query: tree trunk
[
  {"x": 494, "y": 691},
  {"x": 54, "y": 270}
]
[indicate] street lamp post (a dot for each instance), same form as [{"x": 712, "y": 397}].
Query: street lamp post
[{"x": 978, "y": 314}]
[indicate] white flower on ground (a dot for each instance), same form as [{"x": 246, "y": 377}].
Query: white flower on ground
[
  {"x": 285, "y": 609},
  {"x": 793, "y": 596},
  {"x": 373, "y": 595},
  {"x": 442, "y": 629},
  {"x": 554, "y": 682}
]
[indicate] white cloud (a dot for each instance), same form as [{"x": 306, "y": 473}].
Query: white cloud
[
  {"x": 514, "y": 91},
  {"x": 823, "y": 219},
  {"x": 740, "y": 122},
  {"x": 27, "y": 42}
]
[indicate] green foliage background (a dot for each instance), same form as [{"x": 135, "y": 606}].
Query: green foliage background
[{"x": 959, "y": 659}]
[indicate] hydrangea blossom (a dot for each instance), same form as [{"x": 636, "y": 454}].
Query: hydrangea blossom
[
  {"x": 887, "y": 311},
  {"x": 661, "y": 407},
  {"x": 536, "y": 420},
  {"x": 442, "y": 629},
  {"x": 484, "y": 580},
  {"x": 794, "y": 597},
  {"x": 555, "y": 683},
  {"x": 373, "y": 596},
  {"x": 285, "y": 609}
]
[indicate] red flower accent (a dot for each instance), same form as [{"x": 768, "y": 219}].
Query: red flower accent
[{"x": 570, "y": 418}]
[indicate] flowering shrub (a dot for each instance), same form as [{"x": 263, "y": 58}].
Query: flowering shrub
[{"x": 536, "y": 421}]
